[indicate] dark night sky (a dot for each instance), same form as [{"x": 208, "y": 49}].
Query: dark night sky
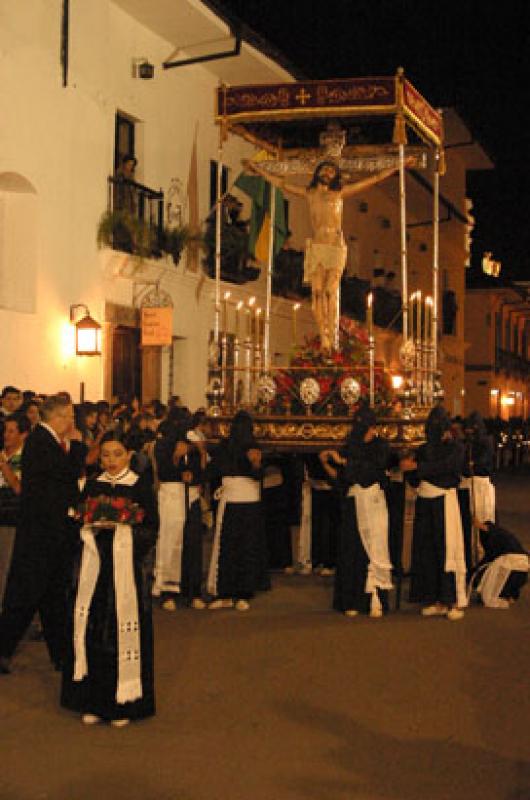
[{"x": 472, "y": 54}]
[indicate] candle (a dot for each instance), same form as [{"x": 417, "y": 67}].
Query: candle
[
  {"x": 296, "y": 306},
  {"x": 369, "y": 314},
  {"x": 226, "y": 297},
  {"x": 257, "y": 332},
  {"x": 412, "y": 314},
  {"x": 428, "y": 320},
  {"x": 238, "y": 313},
  {"x": 250, "y": 319}
]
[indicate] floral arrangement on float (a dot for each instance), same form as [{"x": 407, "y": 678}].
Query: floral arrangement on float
[
  {"x": 103, "y": 509},
  {"x": 331, "y": 383}
]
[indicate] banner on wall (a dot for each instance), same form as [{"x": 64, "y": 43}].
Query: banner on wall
[{"x": 157, "y": 326}]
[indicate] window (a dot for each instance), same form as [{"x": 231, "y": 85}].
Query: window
[{"x": 124, "y": 143}]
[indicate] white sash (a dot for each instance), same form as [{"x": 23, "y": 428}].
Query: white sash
[
  {"x": 372, "y": 522},
  {"x": 172, "y": 512},
  {"x": 304, "y": 538},
  {"x": 454, "y": 536},
  {"x": 496, "y": 575},
  {"x": 129, "y": 686},
  {"x": 234, "y": 489}
]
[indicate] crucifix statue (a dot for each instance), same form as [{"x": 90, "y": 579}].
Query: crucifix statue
[{"x": 326, "y": 251}]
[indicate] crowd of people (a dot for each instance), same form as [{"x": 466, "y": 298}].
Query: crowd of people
[{"x": 104, "y": 507}]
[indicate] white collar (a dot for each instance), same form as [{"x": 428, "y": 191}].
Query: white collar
[
  {"x": 125, "y": 478},
  {"x": 50, "y": 430}
]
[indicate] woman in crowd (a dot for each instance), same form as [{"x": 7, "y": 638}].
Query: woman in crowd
[
  {"x": 363, "y": 575},
  {"x": 238, "y": 561},
  {"x": 180, "y": 465},
  {"x": 438, "y": 569},
  {"x": 108, "y": 672}
]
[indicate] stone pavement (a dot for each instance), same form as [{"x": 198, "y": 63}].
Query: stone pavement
[{"x": 291, "y": 701}]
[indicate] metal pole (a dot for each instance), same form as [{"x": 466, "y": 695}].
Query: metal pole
[
  {"x": 403, "y": 224},
  {"x": 218, "y": 226},
  {"x": 435, "y": 261},
  {"x": 270, "y": 262}
]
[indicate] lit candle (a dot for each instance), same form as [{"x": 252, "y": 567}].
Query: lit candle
[
  {"x": 296, "y": 306},
  {"x": 238, "y": 312},
  {"x": 250, "y": 318},
  {"x": 369, "y": 314},
  {"x": 418, "y": 333},
  {"x": 257, "y": 332},
  {"x": 428, "y": 319}
]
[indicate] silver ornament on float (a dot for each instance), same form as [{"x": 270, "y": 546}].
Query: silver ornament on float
[
  {"x": 407, "y": 354},
  {"x": 215, "y": 387},
  {"x": 309, "y": 391},
  {"x": 350, "y": 391},
  {"x": 266, "y": 389}
]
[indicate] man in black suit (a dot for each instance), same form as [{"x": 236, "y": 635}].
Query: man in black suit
[{"x": 52, "y": 462}]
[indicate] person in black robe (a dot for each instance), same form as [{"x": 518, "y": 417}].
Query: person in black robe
[
  {"x": 95, "y": 692},
  {"x": 503, "y": 571},
  {"x": 275, "y": 498},
  {"x": 238, "y": 565},
  {"x": 438, "y": 569},
  {"x": 182, "y": 463},
  {"x": 363, "y": 575},
  {"x": 325, "y": 518},
  {"x": 52, "y": 462}
]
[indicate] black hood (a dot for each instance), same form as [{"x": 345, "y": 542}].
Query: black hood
[
  {"x": 363, "y": 419},
  {"x": 437, "y": 424}
]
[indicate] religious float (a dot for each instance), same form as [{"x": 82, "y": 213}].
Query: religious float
[{"x": 312, "y": 129}]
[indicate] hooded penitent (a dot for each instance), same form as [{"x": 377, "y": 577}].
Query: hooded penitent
[
  {"x": 437, "y": 424},
  {"x": 363, "y": 420}
]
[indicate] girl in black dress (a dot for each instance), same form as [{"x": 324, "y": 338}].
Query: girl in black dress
[
  {"x": 238, "y": 566},
  {"x": 108, "y": 672}
]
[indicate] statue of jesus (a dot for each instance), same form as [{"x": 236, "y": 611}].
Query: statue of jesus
[{"x": 326, "y": 251}]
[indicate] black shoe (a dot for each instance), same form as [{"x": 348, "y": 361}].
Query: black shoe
[{"x": 5, "y": 668}]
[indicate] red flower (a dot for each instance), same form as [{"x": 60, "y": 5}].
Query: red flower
[{"x": 119, "y": 502}]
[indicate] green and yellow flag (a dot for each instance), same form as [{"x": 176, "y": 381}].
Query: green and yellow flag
[{"x": 259, "y": 190}]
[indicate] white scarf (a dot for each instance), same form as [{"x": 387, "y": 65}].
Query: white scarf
[
  {"x": 372, "y": 522},
  {"x": 235, "y": 489},
  {"x": 454, "y": 536},
  {"x": 495, "y": 576},
  {"x": 172, "y": 510}
]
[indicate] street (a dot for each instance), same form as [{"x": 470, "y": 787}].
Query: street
[{"x": 292, "y": 700}]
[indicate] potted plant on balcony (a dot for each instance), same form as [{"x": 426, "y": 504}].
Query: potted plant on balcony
[{"x": 119, "y": 230}]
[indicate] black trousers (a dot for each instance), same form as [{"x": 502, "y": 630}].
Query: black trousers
[{"x": 43, "y": 589}]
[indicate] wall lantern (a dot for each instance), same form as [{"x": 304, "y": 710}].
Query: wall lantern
[
  {"x": 87, "y": 332},
  {"x": 143, "y": 69}
]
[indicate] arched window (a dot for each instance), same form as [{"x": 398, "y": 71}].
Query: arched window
[{"x": 18, "y": 243}]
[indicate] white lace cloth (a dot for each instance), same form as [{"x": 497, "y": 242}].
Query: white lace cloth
[{"x": 495, "y": 576}]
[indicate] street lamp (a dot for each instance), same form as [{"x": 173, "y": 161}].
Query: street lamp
[{"x": 87, "y": 332}]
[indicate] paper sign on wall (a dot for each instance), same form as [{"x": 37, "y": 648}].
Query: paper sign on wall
[{"x": 157, "y": 326}]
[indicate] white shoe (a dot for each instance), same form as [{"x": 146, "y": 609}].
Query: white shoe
[
  {"x": 436, "y": 610},
  {"x": 242, "y": 605},
  {"x": 198, "y": 603},
  {"x": 169, "y": 604},
  {"x": 215, "y": 604},
  {"x": 376, "y": 613},
  {"x": 90, "y": 719},
  {"x": 351, "y": 612},
  {"x": 455, "y": 614},
  {"x": 326, "y": 572},
  {"x": 120, "y": 723}
]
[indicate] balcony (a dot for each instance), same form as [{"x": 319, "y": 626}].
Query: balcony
[
  {"x": 512, "y": 364},
  {"x": 134, "y": 222}
]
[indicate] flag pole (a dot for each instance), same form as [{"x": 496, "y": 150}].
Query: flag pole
[{"x": 270, "y": 262}]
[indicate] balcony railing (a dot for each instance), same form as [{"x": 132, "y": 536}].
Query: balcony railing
[
  {"x": 137, "y": 212},
  {"x": 511, "y": 363}
]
